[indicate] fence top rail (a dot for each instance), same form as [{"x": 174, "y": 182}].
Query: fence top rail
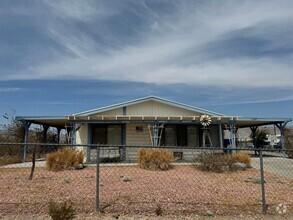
[{"x": 146, "y": 146}]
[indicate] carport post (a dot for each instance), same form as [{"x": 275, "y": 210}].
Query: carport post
[
  {"x": 98, "y": 179},
  {"x": 281, "y": 127},
  {"x": 26, "y": 126},
  {"x": 263, "y": 196}
]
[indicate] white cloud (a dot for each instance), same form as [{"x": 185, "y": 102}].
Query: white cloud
[
  {"x": 170, "y": 48},
  {"x": 10, "y": 89}
]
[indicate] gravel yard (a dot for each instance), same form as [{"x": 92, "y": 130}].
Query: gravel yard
[{"x": 131, "y": 190}]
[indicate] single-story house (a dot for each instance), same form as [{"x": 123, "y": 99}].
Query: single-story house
[{"x": 150, "y": 121}]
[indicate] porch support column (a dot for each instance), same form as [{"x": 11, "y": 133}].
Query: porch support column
[
  {"x": 26, "y": 126},
  {"x": 123, "y": 141},
  {"x": 221, "y": 135},
  {"x": 58, "y": 135},
  {"x": 233, "y": 135},
  {"x": 44, "y": 137},
  {"x": 73, "y": 133},
  {"x": 253, "y": 130},
  {"x": 68, "y": 133},
  {"x": 281, "y": 127},
  {"x": 89, "y": 141},
  {"x": 44, "y": 133},
  {"x": 155, "y": 134}
]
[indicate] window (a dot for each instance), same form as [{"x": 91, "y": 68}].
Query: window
[{"x": 106, "y": 134}]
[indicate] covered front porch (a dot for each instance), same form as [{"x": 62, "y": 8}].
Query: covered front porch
[{"x": 122, "y": 131}]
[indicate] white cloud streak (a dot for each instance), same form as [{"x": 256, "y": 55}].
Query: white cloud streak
[
  {"x": 169, "y": 49},
  {"x": 10, "y": 89}
]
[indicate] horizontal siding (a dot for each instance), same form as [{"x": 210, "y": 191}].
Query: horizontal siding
[
  {"x": 134, "y": 137},
  {"x": 152, "y": 108},
  {"x": 113, "y": 112},
  {"x": 215, "y": 136},
  {"x": 188, "y": 155}
]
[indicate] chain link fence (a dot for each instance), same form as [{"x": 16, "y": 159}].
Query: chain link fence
[{"x": 111, "y": 181}]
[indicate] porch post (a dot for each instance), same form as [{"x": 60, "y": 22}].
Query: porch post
[
  {"x": 26, "y": 126},
  {"x": 221, "y": 135},
  {"x": 89, "y": 141},
  {"x": 155, "y": 134},
  {"x": 58, "y": 135},
  {"x": 73, "y": 133},
  {"x": 123, "y": 141},
  {"x": 233, "y": 135},
  {"x": 281, "y": 127},
  {"x": 253, "y": 129},
  {"x": 44, "y": 137},
  {"x": 68, "y": 132}
]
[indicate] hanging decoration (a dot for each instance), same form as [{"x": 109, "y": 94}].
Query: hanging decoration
[{"x": 205, "y": 120}]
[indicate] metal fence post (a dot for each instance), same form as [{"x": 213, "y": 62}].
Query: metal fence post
[
  {"x": 264, "y": 205},
  {"x": 98, "y": 178}
]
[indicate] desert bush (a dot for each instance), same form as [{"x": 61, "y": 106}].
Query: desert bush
[
  {"x": 159, "y": 210},
  {"x": 241, "y": 158},
  {"x": 219, "y": 162},
  {"x": 4, "y": 160},
  {"x": 64, "y": 158},
  {"x": 61, "y": 211},
  {"x": 155, "y": 159},
  {"x": 214, "y": 162},
  {"x": 10, "y": 154}
]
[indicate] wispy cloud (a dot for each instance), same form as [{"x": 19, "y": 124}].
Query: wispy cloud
[
  {"x": 11, "y": 89},
  {"x": 211, "y": 43}
]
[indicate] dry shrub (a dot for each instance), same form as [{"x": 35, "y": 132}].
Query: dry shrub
[
  {"x": 214, "y": 162},
  {"x": 219, "y": 162},
  {"x": 64, "y": 158},
  {"x": 61, "y": 211},
  {"x": 10, "y": 154},
  {"x": 155, "y": 159},
  {"x": 4, "y": 160},
  {"x": 241, "y": 158}
]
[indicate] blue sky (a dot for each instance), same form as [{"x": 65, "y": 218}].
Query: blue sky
[{"x": 63, "y": 57}]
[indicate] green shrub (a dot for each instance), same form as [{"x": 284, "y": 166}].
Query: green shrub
[
  {"x": 155, "y": 159},
  {"x": 214, "y": 162},
  {"x": 241, "y": 158},
  {"x": 64, "y": 158},
  {"x": 61, "y": 211}
]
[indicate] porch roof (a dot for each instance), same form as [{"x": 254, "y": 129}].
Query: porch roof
[
  {"x": 63, "y": 121},
  {"x": 52, "y": 121}
]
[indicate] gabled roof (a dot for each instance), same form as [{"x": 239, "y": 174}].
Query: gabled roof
[{"x": 145, "y": 99}]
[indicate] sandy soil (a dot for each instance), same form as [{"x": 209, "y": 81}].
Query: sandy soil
[{"x": 182, "y": 191}]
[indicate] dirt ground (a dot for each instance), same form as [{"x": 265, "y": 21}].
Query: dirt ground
[
  {"x": 165, "y": 217},
  {"x": 132, "y": 193}
]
